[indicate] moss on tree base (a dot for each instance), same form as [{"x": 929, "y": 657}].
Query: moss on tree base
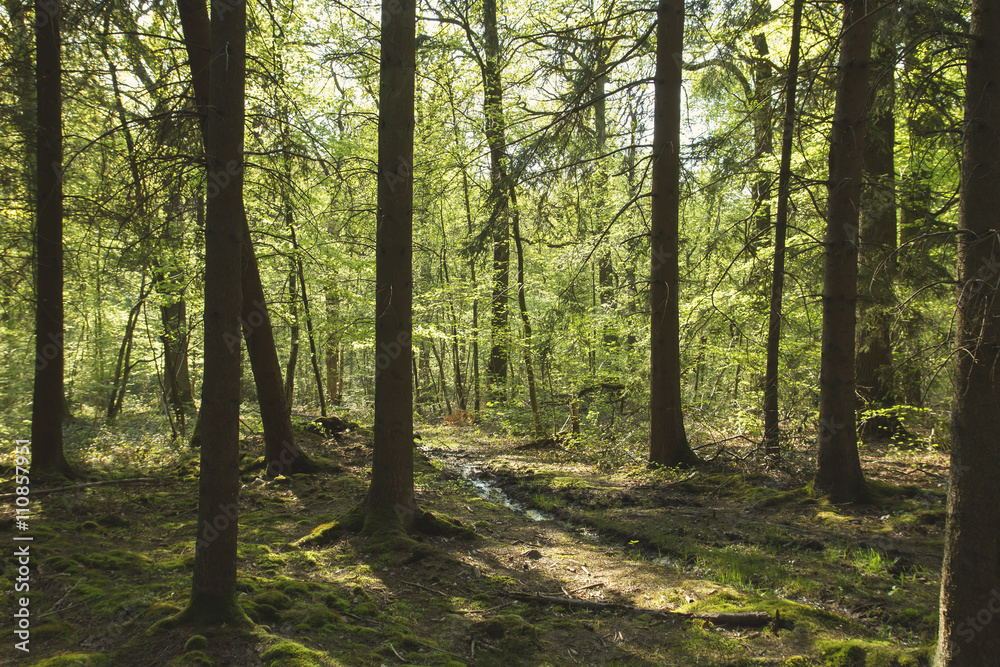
[{"x": 207, "y": 611}]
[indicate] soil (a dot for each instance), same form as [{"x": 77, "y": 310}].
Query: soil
[{"x": 850, "y": 585}]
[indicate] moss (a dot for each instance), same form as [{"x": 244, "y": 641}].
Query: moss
[
  {"x": 443, "y": 526},
  {"x": 53, "y": 630},
  {"x": 291, "y": 654},
  {"x": 61, "y": 564},
  {"x": 293, "y": 588},
  {"x": 196, "y": 643},
  {"x": 193, "y": 659},
  {"x": 76, "y": 660},
  {"x": 116, "y": 560},
  {"x": 275, "y": 599}
]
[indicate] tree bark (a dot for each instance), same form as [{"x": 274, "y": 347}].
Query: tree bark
[
  {"x": 293, "y": 352},
  {"x": 772, "y": 443},
  {"x": 838, "y": 470},
  {"x": 668, "y": 443},
  {"x": 47, "y": 456},
  {"x": 876, "y": 253},
  {"x": 495, "y": 137},
  {"x": 282, "y": 453},
  {"x": 522, "y": 305},
  {"x": 970, "y": 581},
  {"x": 213, "y": 591},
  {"x": 391, "y": 494}
]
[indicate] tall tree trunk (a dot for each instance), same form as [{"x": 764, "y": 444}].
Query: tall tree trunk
[
  {"x": 772, "y": 443},
  {"x": 47, "y": 456},
  {"x": 495, "y": 137},
  {"x": 280, "y": 450},
  {"x": 763, "y": 116},
  {"x": 668, "y": 444},
  {"x": 293, "y": 353},
  {"x": 213, "y": 590},
  {"x": 876, "y": 253},
  {"x": 838, "y": 470},
  {"x": 970, "y": 580},
  {"x": 390, "y": 497},
  {"x": 314, "y": 356},
  {"x": 456, "y": 352},
  {"x": 334, "y": 352},
  {"x": 169, "y": 282},
  {"x": 522, "y": 304}
]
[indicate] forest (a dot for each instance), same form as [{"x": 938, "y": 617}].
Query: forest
[{"x": 468, "y": 332}]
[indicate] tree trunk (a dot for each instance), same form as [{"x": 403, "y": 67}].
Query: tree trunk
[
  {"x": 283, "y": 455},
  {"x": 493, "y": 112},
  {"x": 877, "y": 258},
  {"x": 333, "y": 354},
  {"x": 293, "y": 353},
  {"x": 772, "y": 442},
  {"x": 970, "y": 580},
  {"x": 123, "y": 367},
  {"x": 213, "y": 591},
  {"x": 529, "y": 369},
  {"x": 668, "y": 443},
  {"x": 47, "y": 456},
  {"x": 390, "y": 497},
  {"x": 763, "y": 116},
  {"x": 838, "y": 470}
]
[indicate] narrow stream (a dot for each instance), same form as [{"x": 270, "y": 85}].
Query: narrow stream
[{"x": 482, "y": 487}]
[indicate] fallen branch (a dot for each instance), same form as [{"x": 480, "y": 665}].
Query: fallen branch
[
  {"x": 749, "y": 619},
  {"x": 44, "y": 492}
]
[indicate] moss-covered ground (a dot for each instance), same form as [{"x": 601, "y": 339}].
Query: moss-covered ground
[{"x": 853, "y": 585}]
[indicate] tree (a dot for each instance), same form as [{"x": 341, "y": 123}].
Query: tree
[
  {"x": 772, "y": 443},
  {"x": 47, "y": 456},
  {"x": 838, "y": 470},
  {"x": 877, "y": 248},
  {"x": 391, "y": 494},
  {"x": 668, "y": 443},
  {"x": 970, "y": 580},
  {"x": 282, "y": 454},
  {"x": 495, "y": 137},
  {"x": 213, "y": 591}
]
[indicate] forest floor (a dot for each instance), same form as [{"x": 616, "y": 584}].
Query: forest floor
[{"x": 852, "y": 585}]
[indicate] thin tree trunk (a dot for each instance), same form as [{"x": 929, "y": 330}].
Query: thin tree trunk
[
  {"x": 877, "y": 257},
  {"x": 334, "y": 353},
  {"x": 282, "y": 454},
  {"x": 772, "y": 444},
  {"x": 47, "y": 456},
  {"x": 522, "y": 304},
  {"x": 668, "y": 443},
  {"x": 455, "y": 347},
  {"x": 390, "y": 499},
  {"x": 309, "y": 335},
  {"x": 838, "y": 470},
  {"x": 970, "y": 579},
  {"x": 293, "y": 353},
  {"x": 123, "y": 367}
]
